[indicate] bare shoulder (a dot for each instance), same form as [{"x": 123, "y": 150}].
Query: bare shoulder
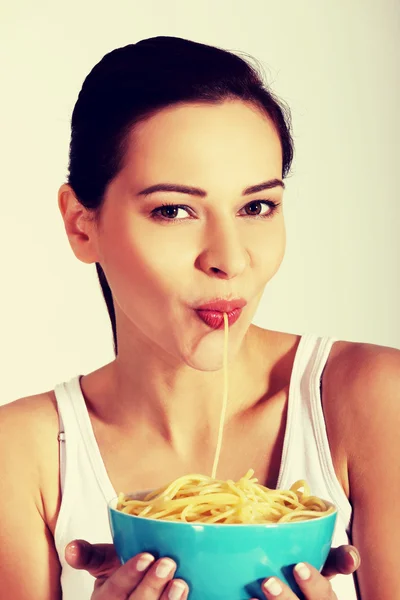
[
  {"x": 357, "y": 358},
  {"x": 32, "y": 418},
  {"x": 361, "y": 396},
  {"x": 356, "y": 372},
  {"x": 360, "y": 379},
  {"x": 361, "y": 401},
  {"x": 29, "y": 444}
]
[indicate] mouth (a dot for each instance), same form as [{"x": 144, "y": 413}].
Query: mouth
[
  {"x": 215, "y": 318},
  {"x": 212, "y": 312}
]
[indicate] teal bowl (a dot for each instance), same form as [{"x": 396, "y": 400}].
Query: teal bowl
[{"x": 225, "y": 561}]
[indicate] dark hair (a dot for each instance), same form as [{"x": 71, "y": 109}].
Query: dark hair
[{"x": 130, "y": 84}]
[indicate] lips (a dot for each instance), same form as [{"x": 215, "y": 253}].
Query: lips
[
  {"x": 223, "y": 305},
  {"x": 215, "y": 319},
  {"x": 212, "y": 313}
]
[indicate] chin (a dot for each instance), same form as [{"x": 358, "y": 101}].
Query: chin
[
  {"x": 208, "y": 357},
  {"x": 205, "y": 366}
]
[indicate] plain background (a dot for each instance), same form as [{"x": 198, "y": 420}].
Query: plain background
[{"x": 337, "y": 66}]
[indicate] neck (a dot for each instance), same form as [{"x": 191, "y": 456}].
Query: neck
[{"x": 180, "y": 404}]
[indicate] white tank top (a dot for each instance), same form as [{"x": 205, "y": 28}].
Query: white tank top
[{"x": 86, "y": 487}]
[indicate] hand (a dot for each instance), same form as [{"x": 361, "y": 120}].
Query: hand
[
  {"x": 315, "y": 585},
  {"x": 135, "y": 580},
  {"x": 127, "y": 582}
]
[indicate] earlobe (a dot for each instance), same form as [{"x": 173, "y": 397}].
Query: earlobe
[{"x": 79, "y": 225}]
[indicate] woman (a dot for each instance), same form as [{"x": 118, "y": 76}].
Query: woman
[{"x": 177, "y": 164}]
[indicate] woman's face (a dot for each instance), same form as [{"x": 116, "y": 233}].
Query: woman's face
[{"x": 223, "y": 242}]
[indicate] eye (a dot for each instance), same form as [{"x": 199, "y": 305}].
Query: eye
[
  {"x": 256, "y": 208},
  {"x": 168, "y": 212}
]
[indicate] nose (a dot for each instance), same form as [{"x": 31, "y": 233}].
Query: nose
[{"x": 225, "y": 253}]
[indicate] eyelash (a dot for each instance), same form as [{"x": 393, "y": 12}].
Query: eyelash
[{"x": 272, "y": 205}]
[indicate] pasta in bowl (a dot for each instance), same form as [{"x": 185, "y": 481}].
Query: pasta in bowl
[{"x": 225, "y": 536}]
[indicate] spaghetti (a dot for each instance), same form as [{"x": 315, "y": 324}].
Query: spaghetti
[{"x": 202, "y": 499}]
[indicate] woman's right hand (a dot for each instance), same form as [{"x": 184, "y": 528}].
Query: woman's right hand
[{"x": 141, "y": 578}]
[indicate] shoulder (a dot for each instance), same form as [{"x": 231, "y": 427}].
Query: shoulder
[
  {"x": 30, "y": 417},
  {"x": 29, "y": 444},
  {"x": 362, "y": 403},
  {"x": 362, "y": 357},
  {"x": 361, "y": 400},
  {"x": 359, "y": 372}
]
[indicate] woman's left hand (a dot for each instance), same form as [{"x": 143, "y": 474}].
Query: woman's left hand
[{"x": 314, "y": 585}]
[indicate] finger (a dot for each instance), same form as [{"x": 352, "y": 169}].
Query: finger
[
  {"x": 275, "y": 588},
  {"x": 345, "y": 560},
  {"x": 154, "y": 582},
  {"x": 177, "y": 589},
  {"x": 125, "y": 580},
  {"x": 310, "y": 581},
  {"x": 98, "y": 559}
]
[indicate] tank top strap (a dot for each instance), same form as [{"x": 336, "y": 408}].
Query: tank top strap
[
  {"x": 61, "y": 440},
  {"x": 313, "y": 383},
  {"x": 306, "y": 452},
  {"x": 78, "y": 435},
  {"x": 83, "y": 510},
  {"x": 68, "y": 451}
]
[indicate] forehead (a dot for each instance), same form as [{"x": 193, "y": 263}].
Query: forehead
[{"x": 204, "y": 143}]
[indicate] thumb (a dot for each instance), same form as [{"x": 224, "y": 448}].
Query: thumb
[
  {"x": 344, "y": 559},
  {"x": 100, "y": 560}
]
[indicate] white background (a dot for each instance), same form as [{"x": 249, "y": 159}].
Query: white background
[{"x": 337, "y": 66}]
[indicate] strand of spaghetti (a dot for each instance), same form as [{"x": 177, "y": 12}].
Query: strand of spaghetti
[
  {"x": 175, "y": 485},
  {"x": 301, "y": 515},
  {"x": 224, "y": 400}
]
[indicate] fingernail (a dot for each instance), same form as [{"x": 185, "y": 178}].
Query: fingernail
[
  {"x": 73, "y": 549},
  {"x": 303, "y": 571},
  {"x": 144, "y": 561},
  {"x": 164, "y": 568},
  {"x": 176, "y": 591},
  {"x": 273, "y": 586},
  {"x": 355, "y": 558}
]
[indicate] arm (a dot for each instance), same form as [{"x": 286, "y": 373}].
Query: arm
[
  {"x": 371, "y": 390},
  {"x": 362, "y": 387},
  {"x": 29, "y": 566}
]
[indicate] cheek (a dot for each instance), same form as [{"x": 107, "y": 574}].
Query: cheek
[
  {"x": 280, "y": 243},
  {"x": 269, "y": 249},
  {"x": 140, "y": 266}
]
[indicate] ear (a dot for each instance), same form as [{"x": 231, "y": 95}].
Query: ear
[{"x": 79, "y": 224}]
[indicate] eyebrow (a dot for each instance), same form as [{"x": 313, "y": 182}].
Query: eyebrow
[{"x": 194, "y": 191}]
